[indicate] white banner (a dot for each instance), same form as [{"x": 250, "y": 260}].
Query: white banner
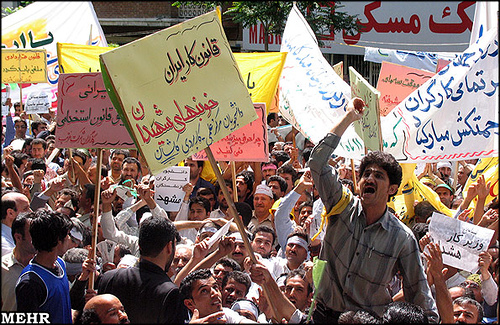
[
  {"x": 413, "y": 59},
  {"x": 460, "y": 242},
  {"x": 312, "y": 95},
  {"x": 41, "y": 25},
  {"x": 453, "y": 115},
  {"x": 485, "y": 18},
  {"x": 168, "y": 187}
]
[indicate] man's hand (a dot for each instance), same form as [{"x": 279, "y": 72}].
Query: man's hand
[
  {"x": 226, "y": 245},
  {"x": 108, "y": 196},
  {"x": 38, "y": 175},
  {"x": 484, "y": 263},
  {"x": 215, "y": 318}
]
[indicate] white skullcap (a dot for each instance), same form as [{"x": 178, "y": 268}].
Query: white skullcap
[
  {"x": 264, "y": 189},
  {"x": 246, "y": 305},
  {"x": 442, "y": 164}
]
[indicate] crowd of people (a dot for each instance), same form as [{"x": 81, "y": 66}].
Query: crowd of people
[{"x": 303, "y": 206}]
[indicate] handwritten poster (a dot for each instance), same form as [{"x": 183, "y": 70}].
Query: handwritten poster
[
  {"x": 339, "y": 69},
  {"x": 454, "y": 114},
  {"x": 396, "y": 82},
  {"x": 86, "y": 117},
  {"x": 368, "y": 128},
  {"x": 311, "y": 95},
  {"x": 40, "y": 25},
  {"x": 191, "y": 97},
  {"x": 168, "y": 187},
  {"x": 24, "y": 66},
  {"x": 460, "y": 242},
  {"x": 37, "y": 102},
  {"x": 246, "y": 144}
]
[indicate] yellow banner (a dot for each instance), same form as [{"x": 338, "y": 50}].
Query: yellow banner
[
  {"x": 24, "y": 66},
  {"x": 261, "y": 72},
  {"x": 489, "y": 168},
  {"x": 76, "y": 58},
  {"x": 411, "y": 190}
]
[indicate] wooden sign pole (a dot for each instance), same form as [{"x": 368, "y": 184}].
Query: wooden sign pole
[
  {"x": 234, "y": 214},
  {"x": 97, "y": 196}
]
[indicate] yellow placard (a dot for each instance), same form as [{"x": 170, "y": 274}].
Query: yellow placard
[
  {"x": 179, "y": 90},
  {"x": 261, "y": 72},
  {"x": 76, "y": 58},
  {"x": 24, "y": 66}
]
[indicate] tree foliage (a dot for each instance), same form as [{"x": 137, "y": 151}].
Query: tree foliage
[
  {"x": 324, "y": 17},
  {"x": 10, "y": 10}
]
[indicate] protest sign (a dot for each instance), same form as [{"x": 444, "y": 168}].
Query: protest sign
[
  {"x": 339, "y": 69},
  {"x": 24, "y": 66},
  {"x": 178, "y": 90},
  {"x": 5, "y": 95},
  {"x": 460, "y": 242},
  {"x": 453, "y": 115},
  {"x": 312, "y": 95},
  {"x": 246, "y": 144},
  {"x": 168, "y": 187},
  {"x": 79, "y": 58},
  {"x": 396, "y": 82},
  {"x": 40, "y": 25},
  {"x": 37, "y": 102},
  {"x": 86, "y": 117},
  {"x": 261, "y": 72},
  {"x": 368, "y": 128}
]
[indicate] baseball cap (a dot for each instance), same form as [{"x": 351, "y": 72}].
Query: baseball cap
[{"x": 443, "y": 185}]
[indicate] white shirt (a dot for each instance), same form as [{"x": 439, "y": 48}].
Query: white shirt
[{"x": 7, "y": 240}]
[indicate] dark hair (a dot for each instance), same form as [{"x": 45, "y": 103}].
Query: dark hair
[
  {"x": 80, "y": 154},
  {"x": 201, "y": 201},
  {"x": 154, "y": 234},
  {"x": 281, "y": 156},
  {"x": 90, "y": 192},
  {"x": 387, "y": 162},
  {"x": 73, "y": 197},
  {"x": 19, "y": 223},
  {"x": 272, "y": 116},
  {"x": 349, "y": 183},
  {"x": 306, "y": 153},
  {"x": 419, "y": 229},
  {"x": 361, "y": 316},
  {"x": 123, "y": 250},
  {"x": 424, "y": 209},
  {"x": 281, "y": 182},
  {"x": 462, "y": 301},
  {"x": 402, "y": 312},
  {"x": 307, "y": 203},
  {"x": 19, "y": 157},
  {"x": 228, "y": 262},
  {"x": 48, "y": 228},
  {"x": 205, "y": 191},
  {"x": 132, "y": 160},
  {"x": 248, "y": 178},
  {"x": 124, "y": 152},
  {"x": 239, "y": 277},
  {"x": 301, "y": 273},
  {"x": 468, "y": 292},
  {"x": 38, "y": 163},
  {"x": 288, "y": 169},
  {"x": 39, "y": 141},
  {"x": 186, "y": 287},
  {"x": 88, "y": 316},
  {"x": 218, "y": 187},
  {"x": 245, "y": 211},
  {"x": 75, "y": 255},
  {"x": 264, "y": 228}
]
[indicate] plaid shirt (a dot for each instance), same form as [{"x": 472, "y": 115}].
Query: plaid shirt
[{"x": 361, "y": 259}]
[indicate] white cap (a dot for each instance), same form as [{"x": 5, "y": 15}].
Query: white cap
[
  {"x": 442, "y": 164},
  {"x": 264, "y": 189}
]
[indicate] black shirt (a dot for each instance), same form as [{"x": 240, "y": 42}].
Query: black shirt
[{"x": 146, "y": 292}]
